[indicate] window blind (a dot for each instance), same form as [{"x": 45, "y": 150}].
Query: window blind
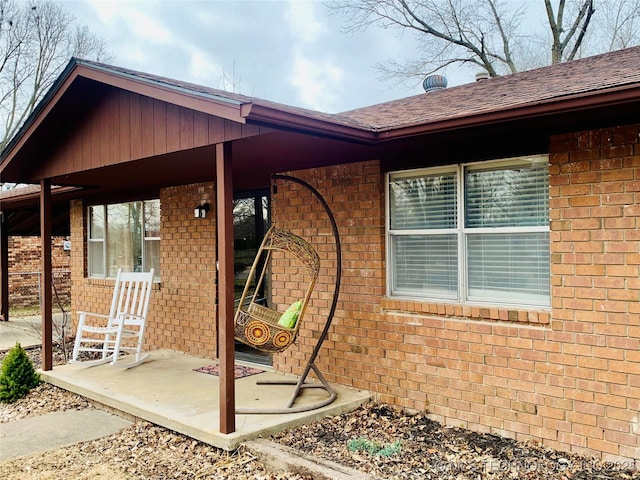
[
  {"x": 509, "y": 267},
  {"x": 427, "y": 202},
  {"x": 498, "y": 254},
  {"x": 426, "y": 264},
  {"x": 509, "y": 197}
]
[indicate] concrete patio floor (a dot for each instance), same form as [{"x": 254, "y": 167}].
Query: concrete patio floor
[{"x": 166, "y": 391}]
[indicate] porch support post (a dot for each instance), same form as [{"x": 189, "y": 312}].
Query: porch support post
[
  {"x": 4, "y": 267},
  {"x": 226, "y": 354},
  {"x": 45, "y": 271}
]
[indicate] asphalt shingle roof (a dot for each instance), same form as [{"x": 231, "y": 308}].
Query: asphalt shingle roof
[
  {"x": 578, "y": 77},
  {"x": 575, "y": 78}
]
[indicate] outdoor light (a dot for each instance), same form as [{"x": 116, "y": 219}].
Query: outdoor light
[{"x": 201, "y": 210}]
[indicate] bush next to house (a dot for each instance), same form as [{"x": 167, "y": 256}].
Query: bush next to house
[{"x": 17, "y": 376}]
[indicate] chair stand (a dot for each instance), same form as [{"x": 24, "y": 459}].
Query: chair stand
[
  {"x": 300, "y": 385},
  {"x": 126, "y": 365},
  {"x": 93, "y": 363}
]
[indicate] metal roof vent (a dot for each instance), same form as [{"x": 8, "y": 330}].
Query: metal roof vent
[
  {"x": 482, "y": 76},
  {"x": 434, "y": 82}
]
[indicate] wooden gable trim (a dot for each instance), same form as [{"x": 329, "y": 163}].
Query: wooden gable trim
[
  {"x": 227, "y": 109},
  {"x": 306, "y": 124},
  {"x": 210, "y": 104},
  {"x": 127, "y": 126}
]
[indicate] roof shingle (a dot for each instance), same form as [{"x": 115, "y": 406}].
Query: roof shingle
[{"x": 578, "y": 77}]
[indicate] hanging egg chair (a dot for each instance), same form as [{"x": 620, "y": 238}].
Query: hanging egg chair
[
  {"x": 264, "y": 328},
  {"x": 273, "y": 331}
]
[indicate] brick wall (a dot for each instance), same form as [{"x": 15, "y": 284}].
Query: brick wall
[
  {"x": 24, "y": 268},
  {"x": 183, "y": 306},
  {"x": 569, "y": 377},
  {"x": 354, "y": 194},
  {"x": 595, "y": 258},
  {"x": 184, "y": 311}
]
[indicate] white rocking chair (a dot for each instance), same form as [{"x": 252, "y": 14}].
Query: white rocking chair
[{"x": 123, "y": 329}]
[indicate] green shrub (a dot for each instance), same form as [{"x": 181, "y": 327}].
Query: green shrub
[
  {"x": 362, "y": 444},
  {"x": 17, "y": 376}
]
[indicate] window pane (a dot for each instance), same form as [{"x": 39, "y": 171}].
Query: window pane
[
  {"x": 508, "y": 268},
  {"x": 152, "y": 256},
  {"x": 427, "y": 202},
  {"x": 96, "y": 258},
  {"x": 124, "y": 239},
  {"x": 96, "y": 222},
  {"x": 425, "y": 264},
  {"x": 152, "y": 218},
  {"x": 512, "y": 197}
]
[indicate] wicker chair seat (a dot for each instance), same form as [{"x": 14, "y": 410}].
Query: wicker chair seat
[{"x": 258, "y": 326}]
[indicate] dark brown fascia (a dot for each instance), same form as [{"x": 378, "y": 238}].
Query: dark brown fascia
[
  {"x": 199, "y": 101},
  {"x": 32, "y": 125},
  {"x": 545, "y": 108},
  {"x": 305, "y": 124}
]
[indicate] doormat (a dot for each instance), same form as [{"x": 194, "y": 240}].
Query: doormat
[{"x": 240, "y": 370}]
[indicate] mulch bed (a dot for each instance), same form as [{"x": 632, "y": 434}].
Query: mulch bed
[{"x": 390, "y": 443}]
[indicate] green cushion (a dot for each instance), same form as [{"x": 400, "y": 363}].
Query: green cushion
[{"x": 290, "y": 317}]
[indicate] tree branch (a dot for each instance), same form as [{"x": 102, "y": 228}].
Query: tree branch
[{"x": 583, "y": 30}]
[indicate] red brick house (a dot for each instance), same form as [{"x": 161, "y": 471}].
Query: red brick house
[{"x": 490, "y": 232}]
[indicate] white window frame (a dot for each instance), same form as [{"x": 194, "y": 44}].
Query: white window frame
[
  {"x": 96, "y": 241},
  {"x": 462, "y": 232},
  {"x": 105, "y": 242}
]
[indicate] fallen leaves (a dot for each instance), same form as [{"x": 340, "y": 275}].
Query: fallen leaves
[
  {"x": 432, "y": 451},
  {"x": 425, "y": 450},
  {"x": 43, "y": 399},
  {"x": 141, "y": 451}
]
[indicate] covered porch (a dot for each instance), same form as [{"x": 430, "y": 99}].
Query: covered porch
[
  {"x": 113, "y": 136},
  {"x": 167, "y": 391}
]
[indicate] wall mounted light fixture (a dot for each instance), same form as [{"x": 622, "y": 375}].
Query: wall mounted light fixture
[{"x": 201, "y": 210}]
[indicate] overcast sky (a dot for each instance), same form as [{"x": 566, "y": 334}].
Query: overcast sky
[{"x": 289, "y": 51}]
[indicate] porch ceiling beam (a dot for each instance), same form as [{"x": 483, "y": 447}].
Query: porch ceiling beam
[
  {"x": 45, "y": 272},
  {"x": 226, "y": 354}
]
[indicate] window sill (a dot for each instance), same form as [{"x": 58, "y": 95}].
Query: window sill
[{"x": 530, "y": 316}]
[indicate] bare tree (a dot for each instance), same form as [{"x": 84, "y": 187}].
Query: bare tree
[
  {"x": 37, "y": 39},
  {"x": 618, "y": 26},
  {"x": 567, "y": 33},
  {"x": 489, "y": 34}
]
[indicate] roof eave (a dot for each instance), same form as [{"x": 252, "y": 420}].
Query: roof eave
[
  {"x": 272, "y": 117},
  {"x": 571, "y": 103}
]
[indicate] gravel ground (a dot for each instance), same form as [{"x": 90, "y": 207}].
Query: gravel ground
[{"x": 381, "y": 440}]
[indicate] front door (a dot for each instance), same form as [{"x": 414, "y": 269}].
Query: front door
[{"x": 250, "y": 223}]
